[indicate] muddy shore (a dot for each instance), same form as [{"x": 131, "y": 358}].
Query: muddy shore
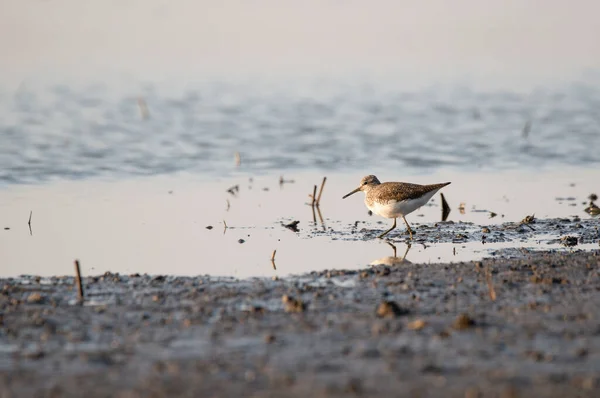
[{"x": 517, "y": 327}]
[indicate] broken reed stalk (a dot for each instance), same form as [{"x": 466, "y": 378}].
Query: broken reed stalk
[
  {"x": 78, "y": 280},
  {"x": 320, "y": 216},
  {"x": 314, "y": 196},
  {"x": 321, "y": 191},
  {"x": 488, "y": 277},
  {"x": 143, "y": 108},
  {"x": 29, "y": 222}
]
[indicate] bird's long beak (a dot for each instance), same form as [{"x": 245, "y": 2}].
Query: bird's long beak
[{"x": 348, "y": 194}]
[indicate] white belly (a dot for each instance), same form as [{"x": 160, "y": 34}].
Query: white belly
[{"x": 393, "y": 209}]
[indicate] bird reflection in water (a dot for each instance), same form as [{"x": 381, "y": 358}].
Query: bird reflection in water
[{"x": 393, "y": 260}]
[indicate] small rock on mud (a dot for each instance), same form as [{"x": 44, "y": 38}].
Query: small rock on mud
[{"x": 389, "y": 309}]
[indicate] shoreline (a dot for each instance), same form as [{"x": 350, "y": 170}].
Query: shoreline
[{"x": 504, "y": 327}]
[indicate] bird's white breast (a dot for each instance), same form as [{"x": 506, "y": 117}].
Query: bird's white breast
[{"x": 393, "y": 209}]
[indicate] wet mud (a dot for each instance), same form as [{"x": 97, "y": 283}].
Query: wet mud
[{"x": 519, "y": 326}]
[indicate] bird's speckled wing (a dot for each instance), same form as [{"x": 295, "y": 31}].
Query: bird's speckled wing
[{"x": 399, "y": 191}]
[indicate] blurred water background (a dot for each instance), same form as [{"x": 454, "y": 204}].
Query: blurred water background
[
  {"x": 73, "y": 134},
  {"x": 332, "y": 86}
]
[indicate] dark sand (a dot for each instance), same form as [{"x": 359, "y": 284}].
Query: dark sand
[{"x": 441, "y": 334}]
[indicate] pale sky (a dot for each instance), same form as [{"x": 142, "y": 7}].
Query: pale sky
[{"x": 438, "y": 39}]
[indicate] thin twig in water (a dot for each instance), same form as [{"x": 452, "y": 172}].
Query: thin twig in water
[
  {"x": 321, "y": 191},
  {"x": 228, "y": 205},
  {"x": 29, "y": 222},
  {"x": 526, "y": 129},
  {"x": 224, "y": 227},
  {"x": 143, "y": 108},
  {"x": 320, "y": 216},
  {"x": 488, "y": 278},
  {"x": 273, "y": 259},
  {"x": 78, "y": 280},
  {"x": 314, "y": 196}
]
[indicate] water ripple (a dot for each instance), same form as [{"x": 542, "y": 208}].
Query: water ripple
[{"x": 65, "y": 133}]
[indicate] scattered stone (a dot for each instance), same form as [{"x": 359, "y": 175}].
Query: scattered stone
[
  {"x": 240, "y": 241},
  {"x": 209, "y": 227},
  {"x": 35, "y": 298},
  {"x": 291, "y": 304},
  {"x": 462, "y": 322},
  {"x": 417, "y": 324},
  {"x": 485, "y": 230},
  {"x": 389, "y": 309}
]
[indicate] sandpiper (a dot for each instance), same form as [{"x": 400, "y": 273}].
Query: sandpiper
[{"x": 395, "y": 199}]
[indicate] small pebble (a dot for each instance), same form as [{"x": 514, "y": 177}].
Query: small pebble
[
  {"x": 35, "y": 298},
  {"x": 291, "y": 304},
  {"x": 462, "y": 322},
  {"x": 417, "y": 324},
  {"x": 389, "y": 309}
]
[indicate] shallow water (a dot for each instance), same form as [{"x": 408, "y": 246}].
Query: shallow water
[
  {"x": 158, "y": 225},
  {"x": 85, "y": 151},
  {"x": 74, "y": 133}
]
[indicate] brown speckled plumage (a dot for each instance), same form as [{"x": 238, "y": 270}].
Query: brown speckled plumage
[{"x": 398, "y": 191}]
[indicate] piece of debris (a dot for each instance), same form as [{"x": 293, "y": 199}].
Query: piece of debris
[
  {"x": 461, "y": 208},
  {"x": 492, "y": 214},
  {"x": 528, "y": 220},
  {"x": 592, "y": 209},
  {"x": 485, "y": 230},
  {"x": 389, "y": 309},
  {"x": 593, "y": 197},
  {"x": 293, "y": 226},
  {"x": 240, "y": 241},
  {"x": 209, "y": 227},
  {"x": 445, "y": 208},
  {"x": 291, "y": 304},
  {"x": 569, "y": 241},
  {"x": 234, "y": 189}
]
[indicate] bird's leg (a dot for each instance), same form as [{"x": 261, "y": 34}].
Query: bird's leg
[
  {"x": 389, "y": 230},
  {"x": 410, "y": 231}
]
